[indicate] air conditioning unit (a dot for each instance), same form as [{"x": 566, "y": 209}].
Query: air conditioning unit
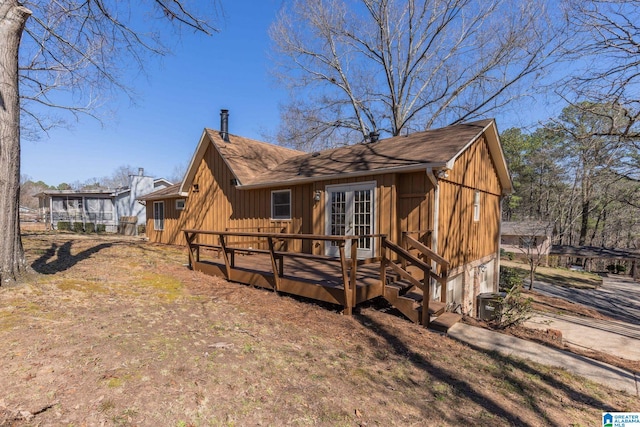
[{"x": 490, "y": 305}]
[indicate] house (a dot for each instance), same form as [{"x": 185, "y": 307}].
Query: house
[
  {"x": 443, "y": 187},
  {"x": 98, "y": 207},
  {"x": 526, "y": 239}
]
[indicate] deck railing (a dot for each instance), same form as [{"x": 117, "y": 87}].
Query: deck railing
[
  {"x": 429, "y": 256},
  {"x": 274, "y": 243},
  {"x": 421, "y": 261}
]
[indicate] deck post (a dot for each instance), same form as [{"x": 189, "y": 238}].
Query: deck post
[
  {"x": 189, "y": 239},
  {"x": 404, "y": 245},
  {"x": 383, "y": 264},
  {"x": 426, "y": 297},
  {"x": 345, "y": 280},
  {"x": 354, "y": 270},
  {"x": 444, "y": 273},
  {"x": 225, "y": 255},
  {"x": 274, "y": 266}
]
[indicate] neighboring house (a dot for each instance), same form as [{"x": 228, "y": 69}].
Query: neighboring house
[
  {"x": 527, "y": 239},
  {"x": 445, "y": 186},
  {"x": 104, "y": 207},
  {"x": 28, "y": 214}
]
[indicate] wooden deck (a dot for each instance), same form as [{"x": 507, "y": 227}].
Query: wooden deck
[
  {"x": 402, "y": 275},
  {"x": 317, "y": 279}
]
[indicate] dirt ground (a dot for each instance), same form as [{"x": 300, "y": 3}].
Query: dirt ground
[{"x": 112, "y": 331}]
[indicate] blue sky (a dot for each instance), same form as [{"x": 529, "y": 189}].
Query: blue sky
[{"x": 182, "y": 95}]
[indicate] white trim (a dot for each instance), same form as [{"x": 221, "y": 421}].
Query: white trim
[
  {"x": 281, "y": 218},
  {"x": 197, "y": 156},
  {"x": 351, "y": 187},
  {"x": 477, "y": 205},
  {"x": 158, "y": 221}
]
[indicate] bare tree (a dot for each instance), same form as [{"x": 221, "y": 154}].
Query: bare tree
[
  {"x": 607, "y": 53},
  {"x": 534, "y": 244},
  {"x": 607, "y": 69},
  {"x": 119, "y": 177},
  {"x": 65, "y": 54},
  {"x": 394, "y": 65},
  {"x": 591, "y": 154}
]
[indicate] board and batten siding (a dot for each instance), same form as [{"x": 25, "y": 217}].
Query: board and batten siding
[
  {"x": 173, "y": 223},
  {"x": 460, "y": 238},
  {"x": 403, "y": 202},
  {"x": 218, "y": 205},
  {"x": 415, "y": 206}
]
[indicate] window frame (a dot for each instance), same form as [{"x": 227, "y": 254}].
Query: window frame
[
  {"x": 476, "y": 205},
  {"x": 183, "y": 201},
  {"x": 158, "y": 223},
  {"x": 273, "y": 205}
]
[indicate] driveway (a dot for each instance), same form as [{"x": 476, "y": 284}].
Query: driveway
[
  {"x": 606, "y": 336},
  {"x": 618, "y": 297}
]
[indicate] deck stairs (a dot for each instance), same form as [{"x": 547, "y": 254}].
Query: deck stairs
[{"x": 408, "y": 299}]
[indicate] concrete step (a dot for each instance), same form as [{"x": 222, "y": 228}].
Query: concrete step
[{"x": 445, "y": 321}]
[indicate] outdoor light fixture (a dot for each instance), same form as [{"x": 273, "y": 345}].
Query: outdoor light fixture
[
  {"x": 442, "y": 174},
  {"x": 316, "y": 196},
  {"x": 196, "y": 188}
]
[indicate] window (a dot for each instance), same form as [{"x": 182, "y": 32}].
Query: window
[
  {"x": 158, "y": 216},
  {"x": 528, "y": 242},
  {"x": 180, "y": 204},
  {"x": 476, "y": 206},
  {"x": 281, "y": 204}
]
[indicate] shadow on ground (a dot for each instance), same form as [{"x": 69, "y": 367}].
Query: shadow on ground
[
  {"x": 467, "y": 387},
  {"x": 59, "y": 258}
]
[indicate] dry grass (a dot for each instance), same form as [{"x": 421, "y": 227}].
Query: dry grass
[
  {"x": 558, "y": 276},
  {"x": 118, "y": 332}
]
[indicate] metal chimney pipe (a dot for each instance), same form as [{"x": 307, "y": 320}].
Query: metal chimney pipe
[
  {"x": 224, "y": 125},
  {"x": 373, "y": 136}
]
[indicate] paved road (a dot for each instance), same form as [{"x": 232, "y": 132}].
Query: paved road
[{"x": 618, "y": 297}]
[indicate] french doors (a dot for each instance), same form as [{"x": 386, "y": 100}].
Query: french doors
[{"x": 350, "y": 212}]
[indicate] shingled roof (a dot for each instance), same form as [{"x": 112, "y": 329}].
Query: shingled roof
[
  {"x": 164, "y": 193},
  {"x": 257, "y": 164}
]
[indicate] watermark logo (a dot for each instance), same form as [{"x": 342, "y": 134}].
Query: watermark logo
[{"x": 621, "y": 419}]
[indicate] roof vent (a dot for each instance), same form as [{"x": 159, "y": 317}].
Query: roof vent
[
  {"x": 224, "y": 125},
  {"x": 373, "y": 136}
]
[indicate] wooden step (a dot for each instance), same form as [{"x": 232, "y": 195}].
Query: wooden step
[
  {"x": 407, "y": 303},
  {"x": 399, "y": 287},
  {"x": 415, "y": 272},
  {"x": 445, "y": 321},
  {"x": 436, "y": 308}
]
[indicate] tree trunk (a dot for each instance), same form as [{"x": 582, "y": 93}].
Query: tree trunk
[
  {"x": 12, "y": 261},
  {"x": 584, "y": 223}
]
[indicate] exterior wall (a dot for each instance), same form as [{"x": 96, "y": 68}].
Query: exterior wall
[
  {"x": 402, "y": 203},
  {"x": 471, "y": 246},
  {"x": 384, "y": 214},
  {"x": 173, "y": 223},
  {"x": 466, "y": 282},
  {"x": 515, "y": 245},
  {"x": 126, "y": 202},
  {"x": 460, "y": 238},
  {"x": 218, "y": 205},
  {"x": 79, "y": 208}
]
